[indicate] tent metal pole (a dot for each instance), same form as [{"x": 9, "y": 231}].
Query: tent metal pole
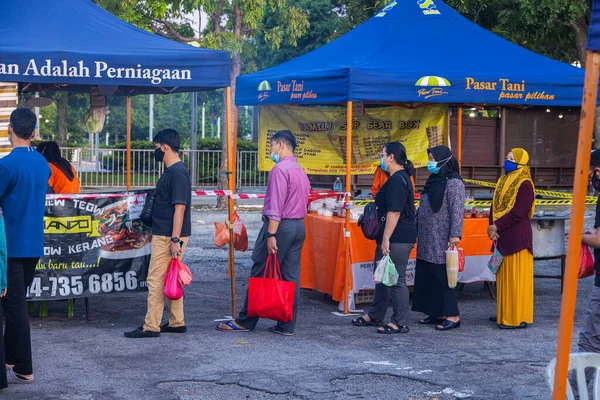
[
  {"x": 347, "y": 195},
  {"x": 459, "y": 140},
  {"x": 128, "y": 143},
  {"x": 582, "y": 163},
  {"x": 231, "y": 203},
  {"x": 235, "y": 139}
]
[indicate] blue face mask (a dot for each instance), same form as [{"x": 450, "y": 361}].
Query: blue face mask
[
  {"x": 432, "y": 166},
  {"x": 274, "y": 157},
  {"x": 382, "y": 165},
  {"x": 510, "y": 166}
]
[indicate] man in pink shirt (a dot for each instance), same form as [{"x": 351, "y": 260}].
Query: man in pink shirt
[{"x": 283, "y": 231}]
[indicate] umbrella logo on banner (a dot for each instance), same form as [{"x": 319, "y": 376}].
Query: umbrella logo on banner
[
  {"x": 436, "y": 83},
  {"x": 264, "y": 87}
]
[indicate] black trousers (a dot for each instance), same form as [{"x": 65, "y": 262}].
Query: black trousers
[
  {"x": 290, "y": 238},
  {"x": 17, "y": 339}
]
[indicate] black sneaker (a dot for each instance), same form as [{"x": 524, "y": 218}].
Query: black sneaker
[
  {"x": 167, "y": 329},
  {"x": 141, "y": 333}
]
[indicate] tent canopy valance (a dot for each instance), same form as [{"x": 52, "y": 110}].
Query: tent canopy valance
[
  {"x": 416, "y": 51},
  {"x": 75, "y": 44}
]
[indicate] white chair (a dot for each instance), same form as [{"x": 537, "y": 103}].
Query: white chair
[{"x": 578, "y": 362}]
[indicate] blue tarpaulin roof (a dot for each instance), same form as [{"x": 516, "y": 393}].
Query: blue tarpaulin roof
[
  {"x": 416, "y": 51},
  {"x": 593, "y": 40},
  {"x": 75, "y": 42}
]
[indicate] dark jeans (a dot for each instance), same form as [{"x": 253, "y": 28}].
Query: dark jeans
[
  {"x": 290, "y": 238},
  {"x": 3, "y": 382},
  {"x": 397, "y": 295},
  {"x": 17, "y": 340}
]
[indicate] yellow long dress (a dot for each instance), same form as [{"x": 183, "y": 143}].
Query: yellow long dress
[{"x": 514, "y": 289}]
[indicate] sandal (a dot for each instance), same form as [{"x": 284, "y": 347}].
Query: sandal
[
  {"x": 234, "y": 327},
  {"x": 430, "y": 321},
  {"x": 361, "y": 321},
  {"x": 446, "y": 325},
  {"x": 388, "y": 330},
  {"x": 277, "y": 329},
  {"x": 522, "y": 325},
  {"x": 13, "y": 377}
]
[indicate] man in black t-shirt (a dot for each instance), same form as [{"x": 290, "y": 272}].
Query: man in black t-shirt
[{"x": 171, "y": 229}]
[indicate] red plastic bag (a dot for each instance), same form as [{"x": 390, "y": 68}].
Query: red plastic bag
[
  {"x": 461, "y": 260},
  {"x": 270, "y": 296},
  {"x": 240, "y": 241},
  {"x": 173, "y": 289},
  {"x": 185, "y": 275},
  {"x": 586, "y": 263}
]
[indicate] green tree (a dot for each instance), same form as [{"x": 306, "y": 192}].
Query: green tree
[
  {"x": 325, "y": 26},
  {"x": 233, "y": 26}
]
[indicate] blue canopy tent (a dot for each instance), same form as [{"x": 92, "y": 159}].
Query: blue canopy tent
[
  {"x": 53, "y": 43},
  {"x": 416, "y": 51},
  {"x": 76, "y": 45}
]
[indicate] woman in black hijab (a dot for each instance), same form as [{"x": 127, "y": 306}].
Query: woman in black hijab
[{"x": 439, "y": 225}]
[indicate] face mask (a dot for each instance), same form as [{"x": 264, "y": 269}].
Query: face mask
[
  {"x": 382, "y": 165},
  {"x": 595, "y": 181},
  {"x": 432, "y": 167},
  {"x": 159, "y": 155},
  {"x": 274, "y": 157},
  {"x": 510, "y": 166}
]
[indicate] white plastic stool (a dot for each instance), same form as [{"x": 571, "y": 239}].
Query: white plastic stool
[{"x": 578, "y": 362}]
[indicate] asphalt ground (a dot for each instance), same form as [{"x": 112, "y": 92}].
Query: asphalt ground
[{"x": 326, "y": 359}]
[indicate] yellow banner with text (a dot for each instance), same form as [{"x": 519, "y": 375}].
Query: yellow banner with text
[{"x": 321, "y": 135}]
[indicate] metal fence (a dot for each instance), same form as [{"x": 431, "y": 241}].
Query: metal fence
[{"x": 108, "y": 167}]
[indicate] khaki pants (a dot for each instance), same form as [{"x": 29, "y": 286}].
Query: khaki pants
[{"x": 159, "y": 266}]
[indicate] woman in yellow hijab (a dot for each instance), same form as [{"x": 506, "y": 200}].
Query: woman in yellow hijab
[{"x": 510, "y": 228}]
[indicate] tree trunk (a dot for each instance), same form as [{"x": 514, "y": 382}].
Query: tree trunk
[
  {"x": 62, "y": 105},
  {"x": 581, "y": 28},
  {"x": 236, "y": 69}
]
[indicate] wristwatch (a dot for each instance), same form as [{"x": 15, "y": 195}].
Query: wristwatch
[
  {"x": 270, "y": 235},
  {"x": 175, "y": 240}
]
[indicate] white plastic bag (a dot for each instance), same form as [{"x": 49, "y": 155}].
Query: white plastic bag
[
  {"x": 380, "y": 270},
  {"x": 452, "y": 266}
]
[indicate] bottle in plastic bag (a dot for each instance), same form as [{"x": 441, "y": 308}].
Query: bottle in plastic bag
[
  {"x": 337, "y": 185},
  {"x": 452, "y": 266}
]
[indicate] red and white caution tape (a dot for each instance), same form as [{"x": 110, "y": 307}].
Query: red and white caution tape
[
  {"x": 212, "y": 193},
  {"x": 201, "y": 193},
  {"x": 247, "y": 196}
]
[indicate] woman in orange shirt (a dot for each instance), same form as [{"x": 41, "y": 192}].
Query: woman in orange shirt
[
  {"x": 380, "y": 178},
  {"x": 63, "y": 179}
]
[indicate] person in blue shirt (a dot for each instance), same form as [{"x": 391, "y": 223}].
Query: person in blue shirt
[
  {"x": 24, "y": 175},
  {"x": 3, "y": 262}
]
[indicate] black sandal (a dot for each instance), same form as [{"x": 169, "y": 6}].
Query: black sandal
[
  {"x": 388, "y": 330},
  {"x": 430, "y": 321},
  {"x": 446, "y": 325},
  {"x": 361, "y": 321},
  {"x": 522, "y": 325}
]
